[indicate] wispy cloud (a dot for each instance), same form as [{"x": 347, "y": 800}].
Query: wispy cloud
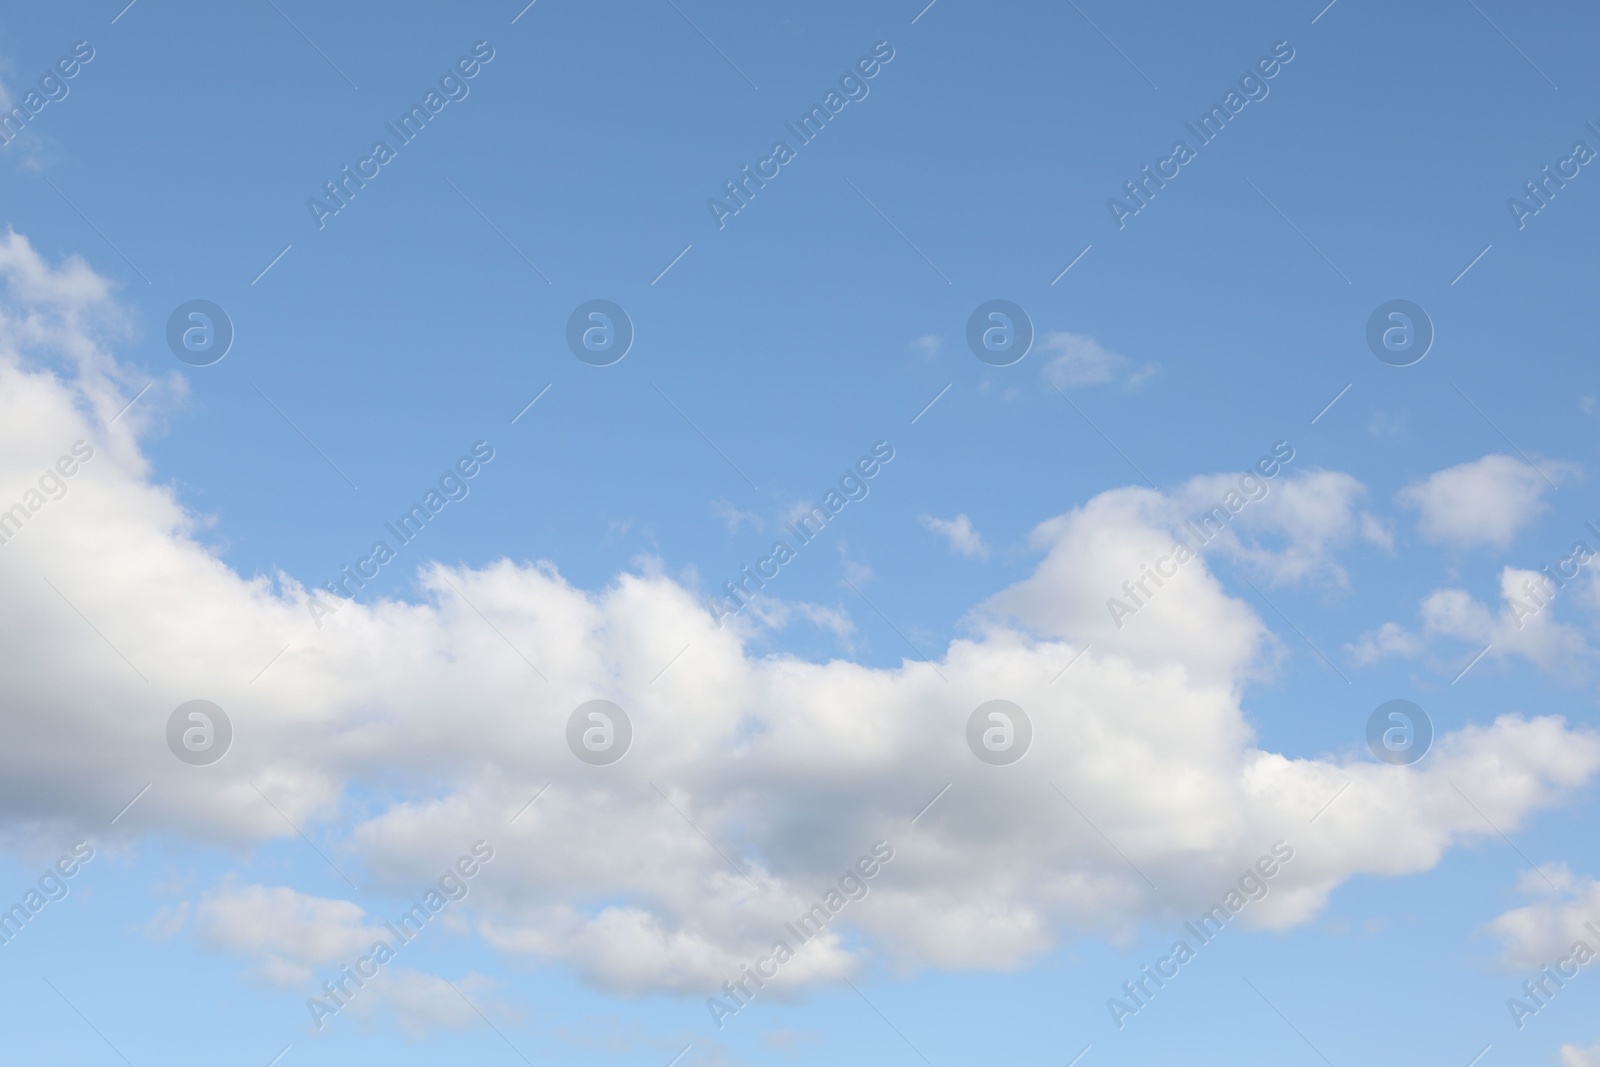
[
  {"x": 1077, "y": 360},
  {"x": 959, "y": 534}
]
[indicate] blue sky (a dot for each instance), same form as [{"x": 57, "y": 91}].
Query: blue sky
[{"x": 373, "y": 746}]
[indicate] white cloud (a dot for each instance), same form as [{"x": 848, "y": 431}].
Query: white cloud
[
  {"x": 292, "y": 939},
  {"x": 960, "y": 535},
  {"x": 1390, "y": 639},
  {"x": 1576, "y": 1056},
  {"x": 1510, "y": 627},
  {"x": 1386, "y": 423},
  {"x": 787, "y": 1040},
  {"x": 399, "y": 732},
  {"x": 1546, "y": 930},
  {"x": 734, "y": 519},
  {"x": 421, "y": 1003},
  {"x": 1523, "y": 622},
  {"x": 1076, "y": 359},
  {"x": 168, "y": 922},
  {"x": 1293, "y": 532},
  {"x": 1375, "y": 531},
  {"x": 1485, "y": 502},
  {"x": 928, "y": 344},
  {"x": 776, "y": 614},
  {"x": 287, "y": 935}
]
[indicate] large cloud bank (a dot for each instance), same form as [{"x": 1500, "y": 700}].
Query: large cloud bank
[{"x": 754, "y": 780}]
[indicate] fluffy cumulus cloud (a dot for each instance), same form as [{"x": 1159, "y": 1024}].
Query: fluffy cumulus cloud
[
  {"x": 1515, "y": 626},
  {"x": 1294, "y": 531},
  {"x": 1565, "y": 909},
  {"x": 1523, "y": 621},
  {"x": 1485, "y": 502},
  {"x": 290, "y": 939},
  {"x": 287, "y": 935},
  {"x": 399, "y": 732}
]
